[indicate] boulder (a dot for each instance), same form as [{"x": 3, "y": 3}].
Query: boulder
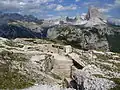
[
  {"x": 68, "y": 49},
  {"x": 87, "y": 82},
  {"x": 62, "y": 66}
]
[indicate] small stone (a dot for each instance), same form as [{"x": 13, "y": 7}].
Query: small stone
[{"x": 68, "y": 49}]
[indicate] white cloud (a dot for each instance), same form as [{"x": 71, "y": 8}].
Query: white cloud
[
  {"x": 77, "y": 0},
  {"x": 51, "y": 6},
  {"x": 117, "y": 2},
  {"x": 63, "y": 8},
  {"x": 24, "y": 6},
  {"x": 60, "y": 1},
  {"x": 104, "y": 9},
  {"x": 27, "y": 4}
]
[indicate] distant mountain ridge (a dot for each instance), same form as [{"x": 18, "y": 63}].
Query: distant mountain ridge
[
  {"x": 94, "y": 33},
  {"x": 7, "y": 17},
  {"x": 113, "y": 21}
]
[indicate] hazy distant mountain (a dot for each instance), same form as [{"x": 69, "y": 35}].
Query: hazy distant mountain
[
  {"x": 7, "y": 17},
  {"x": 114, "y": 21}
]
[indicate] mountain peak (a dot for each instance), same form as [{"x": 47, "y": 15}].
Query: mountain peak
[
  {"x": 94, "y": 17},
  {"x": 93, "y": 12}
]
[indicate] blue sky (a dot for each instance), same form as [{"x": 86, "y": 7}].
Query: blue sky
[{"x": 59, "y": 8}]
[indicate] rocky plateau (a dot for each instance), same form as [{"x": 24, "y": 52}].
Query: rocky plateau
[{"x": 32, "y": 62}]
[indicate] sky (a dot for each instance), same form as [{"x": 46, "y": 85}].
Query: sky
[{"x": 59, "y": 8}]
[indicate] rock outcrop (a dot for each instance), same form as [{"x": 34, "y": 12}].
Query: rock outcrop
[{"x": 87, "y": 82}]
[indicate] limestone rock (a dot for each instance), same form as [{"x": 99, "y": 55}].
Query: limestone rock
[
  {"x": 85, "y": 38},
  {"x": 47, "y": 87},
  {"x": 93, "y": 12},
  {"x": 92, "y": 69},
  {"x": 44, "y": 62},
  {"x": 68, "y": 49},
  {"x": 94, "y": 17},
  {"x": 62, "y": 66},
  {"x": 87, "y": 82}
]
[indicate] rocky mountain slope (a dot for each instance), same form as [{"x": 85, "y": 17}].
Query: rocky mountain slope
[
  {"x": 103, "y": 37},
  {"x": 30, "y": 62},
  {"x": 95, "y": 34}
]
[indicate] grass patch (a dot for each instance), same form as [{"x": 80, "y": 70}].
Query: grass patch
[
  {"x": 10, "y": 78},
  {"x": 117, "y": 81},
  {"x": 10, "y": 56},
  {"x": 98, "y": 75},
  {"x": 116, "y": 88},
  {"x": 9, "y": 43},
  {"x": 102, "y": 57},
  {"x": 14, "y": 80},
  {"x": 55, "y": 76}
]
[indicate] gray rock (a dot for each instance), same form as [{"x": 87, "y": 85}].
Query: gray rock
[
  {"x": 87, "y": 82},
  {"x": 94, "y": 17},
  {"x": 47, "y": 87},
  {"x": 85, "y": 38},
  {"x": 93, "y": 12}
]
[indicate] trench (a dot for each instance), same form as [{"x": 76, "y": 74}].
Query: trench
[
  {"x": 73, "y": 83},
  {"x": 77, "y": 65}
]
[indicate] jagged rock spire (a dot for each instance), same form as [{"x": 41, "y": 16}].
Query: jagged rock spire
[
  {"x": 93, "y": 12},
  {"x": 94, "y": 17}
]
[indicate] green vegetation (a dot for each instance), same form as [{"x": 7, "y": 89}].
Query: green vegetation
[
  {"x": 98, "y": 75},
  {"x": 116, "y": 88},
  {"x": 10, "y": 56},
  {"x": 14, "y": 80},
  {"x": 10, "y": 78},
  {"x": 102, "y": 57},
  {"x": 55, "y": 76},
  {"x": 117, "y": 81},
  {"x": 9, "y": 43}
]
